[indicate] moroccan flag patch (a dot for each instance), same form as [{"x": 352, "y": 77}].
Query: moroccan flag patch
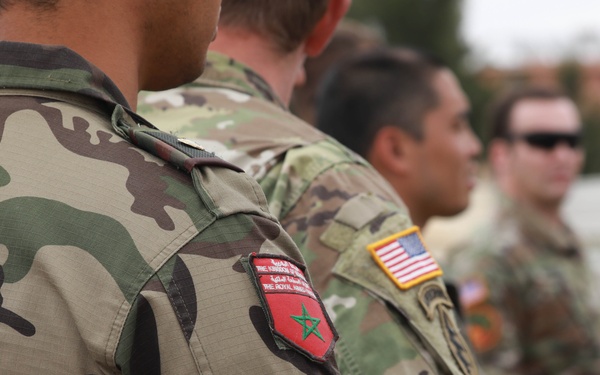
[
  {"x": 404, "y": 258},
  {"x": 295, "y": 312}
]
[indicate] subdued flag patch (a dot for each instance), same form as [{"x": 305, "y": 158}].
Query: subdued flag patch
[
  {"x": 405, "y": 259},
  {"x": 473, "y": 292},
  {"x": 295, "y": 312}
]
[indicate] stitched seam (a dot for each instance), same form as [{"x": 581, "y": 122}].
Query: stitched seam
[
  {"x": 256, "y": 194},
  {"x": 181, "y": 322},
  {"x": 139, "y": 290}
]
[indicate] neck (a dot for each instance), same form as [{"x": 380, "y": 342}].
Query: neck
[
  {"x": 418, "y": 218},
  {"x": 551, "y": 211},
  {"x": 280, "y": 70},
  {"x": 547, "y": 209},
  {"x": 76, "y": 27},
  {"x": 410, "y": 194}
]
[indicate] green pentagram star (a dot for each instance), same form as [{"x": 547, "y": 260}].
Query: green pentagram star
[{"x": 308, "y": 329}]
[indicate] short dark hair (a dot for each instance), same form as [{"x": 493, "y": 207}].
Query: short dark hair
[
  {"x": 390, "y": 86},
  {"x": 501, "y": 109},
  {"x": 287, "y": 22}
]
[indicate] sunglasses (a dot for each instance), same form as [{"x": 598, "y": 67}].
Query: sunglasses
[{"x": 548, "y": 140}]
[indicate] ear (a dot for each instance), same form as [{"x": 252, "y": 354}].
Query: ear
[
  {"x": 391, "y": 151},
  {"x": 319, "y": 37}
]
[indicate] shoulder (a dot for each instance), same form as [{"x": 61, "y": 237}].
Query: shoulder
[
  {"x": 322, "y": 170},
  {"x": 228, "y": 110}
]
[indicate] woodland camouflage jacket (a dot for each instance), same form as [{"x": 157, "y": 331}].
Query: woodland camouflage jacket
[{"x": 114, "y": 260}]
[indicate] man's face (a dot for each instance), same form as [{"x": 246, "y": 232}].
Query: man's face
[
  {"x": 446, "y": 162},
  {"x": 538, "y": 174},
  {"x": 178, "y": 35}
]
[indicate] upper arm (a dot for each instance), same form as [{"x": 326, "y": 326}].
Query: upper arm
[{"x": 201, "y": 312}]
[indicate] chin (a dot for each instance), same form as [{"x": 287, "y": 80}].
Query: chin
[
  {"x": 166, "y": 82},
  {"x": 454, "y": 209},
  {"x": 183, "y": 68}
]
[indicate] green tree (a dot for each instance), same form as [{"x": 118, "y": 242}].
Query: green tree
[{"x": 433, "y": 25}]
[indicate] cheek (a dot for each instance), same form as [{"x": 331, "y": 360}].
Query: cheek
[
  {"x": 445, "y": 166},
  {"x": 204, "y": 20},
  {"x": 578, "y": 161}
]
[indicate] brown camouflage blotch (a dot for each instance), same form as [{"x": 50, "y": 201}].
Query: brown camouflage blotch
[
  {"x": 182, "y": 293},
  {"x": 378, "y": 311},
  {"x": 264, "y": 230},
  {"x": 143, "y": 181}
]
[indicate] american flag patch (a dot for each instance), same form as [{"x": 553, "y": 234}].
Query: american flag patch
[
  {"x": 405, "y": 259},
  {"x": 472, "y": 292}
]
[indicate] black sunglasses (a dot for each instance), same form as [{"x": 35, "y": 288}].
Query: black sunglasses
[{"x": 549, "y": 140}]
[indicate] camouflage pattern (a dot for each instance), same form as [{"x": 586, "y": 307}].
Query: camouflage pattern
[
  {"x": 333, "y": 204},
  {"x": 526, "y": 291},
  {"x": 114, "y": 260}
]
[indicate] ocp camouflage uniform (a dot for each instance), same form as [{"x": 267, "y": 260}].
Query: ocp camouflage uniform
[
  {"x": 114, "y": 260},
  {"x": 526, "y": 293},
  {"x": 334, "y": 205}
]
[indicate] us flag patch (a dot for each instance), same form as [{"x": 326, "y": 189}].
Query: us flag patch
[{"x": 404, "y": 258}]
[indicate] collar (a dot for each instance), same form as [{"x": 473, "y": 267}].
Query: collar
[
  {"x": 54, "y": 68},
  {"x": 559, "y": 239},
  {"x": 225, "y": 72}
]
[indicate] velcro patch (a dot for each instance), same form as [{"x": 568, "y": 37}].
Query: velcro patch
[
  {"x": 484, "y": 327},
  {"x": 405, "y": 259},
  {"x": 295, "y": 312},
  {"x": 473, "y": 291}
]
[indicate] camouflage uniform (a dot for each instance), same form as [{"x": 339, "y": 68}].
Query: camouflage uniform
[
  {"x": 334, "y": 205},
  {"x": 117, "y": 261},
  {"x": 525, "y": 291}
]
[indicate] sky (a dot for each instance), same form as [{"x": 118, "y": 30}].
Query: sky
[{"x": 509, "y": 32}]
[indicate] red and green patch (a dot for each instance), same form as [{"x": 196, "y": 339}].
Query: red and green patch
[{"x": 295, "y": 312}]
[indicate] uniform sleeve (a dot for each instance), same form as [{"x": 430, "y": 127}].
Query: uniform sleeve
[
  {"x": 343, "y": 211},
  {"x": 521, "y": 314},
  {"x": 201, "y": 313},
  {"x": 493, "y": 311}
]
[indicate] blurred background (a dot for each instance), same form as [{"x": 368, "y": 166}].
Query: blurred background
[{"x": 491, "y": 45}]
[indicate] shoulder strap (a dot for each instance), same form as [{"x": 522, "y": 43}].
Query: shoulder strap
[
  {"x": 182, "y": 153},
  {"x": 222, "y": 193},
  {"x": 224, "y": 190}
]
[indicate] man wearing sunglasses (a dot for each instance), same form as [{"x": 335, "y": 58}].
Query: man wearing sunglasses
[{"x": 525, "y": 287}]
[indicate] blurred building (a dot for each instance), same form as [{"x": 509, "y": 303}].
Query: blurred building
[{"x": 578, "y": 79}]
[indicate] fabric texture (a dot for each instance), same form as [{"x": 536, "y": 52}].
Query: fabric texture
[
  {"x": 527, "y": 295},
  {"x": 333, "y": 204},
  {"x": 120, "y": 252}
]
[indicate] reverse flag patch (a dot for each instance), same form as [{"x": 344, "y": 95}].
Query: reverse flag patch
[
  {"x": 405, "y": 259},
  {"x": 295, "y": 312}
]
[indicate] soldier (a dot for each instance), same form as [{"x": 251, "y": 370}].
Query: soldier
[
  {"x": 376, "y": 277},
  {"x": 405, "y": 112},
  {"x": 124, "y": 250},
  {"x": 525, "y": 286}
]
